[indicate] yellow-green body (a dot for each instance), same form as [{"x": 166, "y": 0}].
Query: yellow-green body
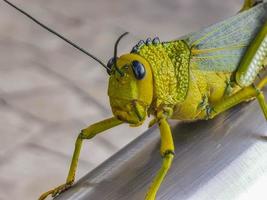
[
  {"x": 204, "y": 88},
  {"x": 180, "y": 86},
  {"x": 175, "y": 86}
]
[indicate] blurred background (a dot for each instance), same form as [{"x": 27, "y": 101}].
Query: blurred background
[{"x": 50, "y": 91}]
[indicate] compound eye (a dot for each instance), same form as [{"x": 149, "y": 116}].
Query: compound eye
[{"x": 138, "y": 70}]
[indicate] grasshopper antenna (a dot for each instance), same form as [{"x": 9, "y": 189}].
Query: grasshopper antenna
[
  {"x": 58, "y": 35},
  {"x": 115, "y": 52}
]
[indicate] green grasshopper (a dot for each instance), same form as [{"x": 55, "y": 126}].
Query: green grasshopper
[{"x": 193, "y": 78}]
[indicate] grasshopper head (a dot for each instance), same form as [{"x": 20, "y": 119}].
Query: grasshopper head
[{"x": 131, "y": 88}]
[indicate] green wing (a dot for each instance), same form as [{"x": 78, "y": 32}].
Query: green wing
[{"x": 221, "y": 46}]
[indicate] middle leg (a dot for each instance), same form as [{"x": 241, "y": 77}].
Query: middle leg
[{"x": 245, "y": 94}]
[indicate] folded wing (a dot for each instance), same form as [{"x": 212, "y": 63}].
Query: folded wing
[{"x": 221, "y": 46}]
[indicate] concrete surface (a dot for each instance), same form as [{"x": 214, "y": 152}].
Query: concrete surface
[{"x": 49, "y": 91}]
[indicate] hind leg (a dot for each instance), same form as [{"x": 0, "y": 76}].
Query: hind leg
[
  {"x": 253, "y": 60},
  {"x": 261, "y": 98},
  {"x": 262, "y": 103},
  {"x": 248, "y": 4}
]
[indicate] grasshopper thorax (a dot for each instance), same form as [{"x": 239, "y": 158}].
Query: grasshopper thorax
[{"x": 131, "y": 91}]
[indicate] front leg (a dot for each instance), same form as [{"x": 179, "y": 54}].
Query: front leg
[
  {"x": 167, "y": 152},
  {"x": 87, "y": 133}
]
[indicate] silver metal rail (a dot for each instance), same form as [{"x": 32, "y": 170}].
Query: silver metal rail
[{"x": 220, "y": 159}]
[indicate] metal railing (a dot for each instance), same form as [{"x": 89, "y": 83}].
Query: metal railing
[{"x": 217, "y": 159}]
